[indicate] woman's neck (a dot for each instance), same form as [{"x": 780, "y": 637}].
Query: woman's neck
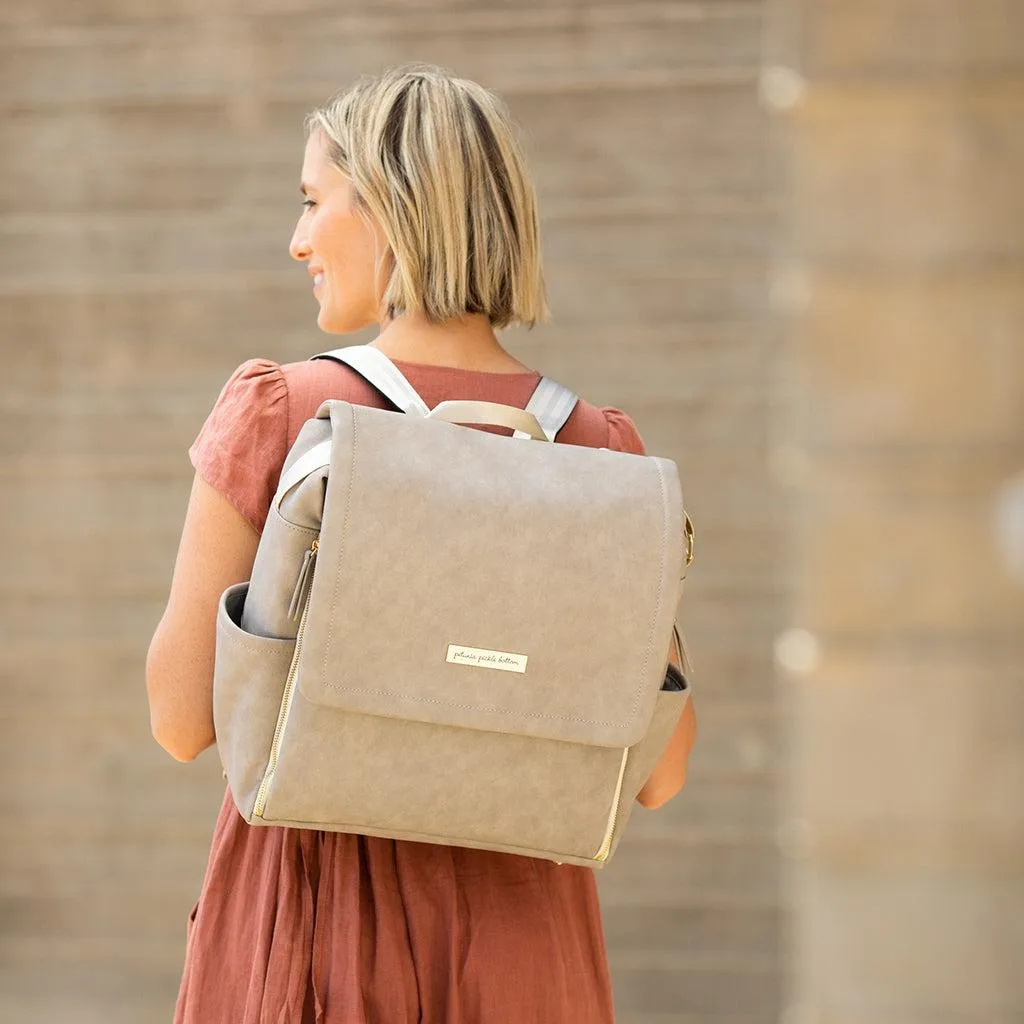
[{"x": 468, "y": 342}]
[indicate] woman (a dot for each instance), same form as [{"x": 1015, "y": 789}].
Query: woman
[{"x": 418, "y": 216}]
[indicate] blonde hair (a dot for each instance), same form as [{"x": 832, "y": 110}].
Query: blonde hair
[{"x": 436, "y": 161}]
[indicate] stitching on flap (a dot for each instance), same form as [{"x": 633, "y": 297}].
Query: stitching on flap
[
  {"x": 470, "y": 707},
  {"x": 487, "y": 707}
]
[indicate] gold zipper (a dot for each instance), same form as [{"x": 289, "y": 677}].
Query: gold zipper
[
  {"x": 606, "y": 845},
  {"x": 308, "y": 566}
]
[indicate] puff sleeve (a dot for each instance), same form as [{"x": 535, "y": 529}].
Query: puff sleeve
[
  {"x": 622, "y": 433},
  {"x": 242, "y": 445}
]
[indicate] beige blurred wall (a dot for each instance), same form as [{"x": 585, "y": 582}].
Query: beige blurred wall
[
  {"x": 898, "y": 283},
  {"x": 813, "y": 303},
  {"x": 149, "y": 162}
]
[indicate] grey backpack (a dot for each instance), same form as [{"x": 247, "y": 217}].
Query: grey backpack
[{"x": 454, "y": 636}]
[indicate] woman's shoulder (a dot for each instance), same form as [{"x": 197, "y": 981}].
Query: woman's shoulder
[
  {"x": 244, "y": 436},
  {"x": 256, "y": 378},
  {"x": 304, "y": 384},
  {"x": 602, "y": 426},
  {"x": 311, "y": 381},
  {"x": 254, "y": 397}
]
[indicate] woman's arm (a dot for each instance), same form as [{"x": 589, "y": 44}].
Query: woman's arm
[
  {"x": 669, "y": 773},
  {"x": 217, "y": 549}
]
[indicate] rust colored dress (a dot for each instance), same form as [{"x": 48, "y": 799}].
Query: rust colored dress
[{"x": 298, "y": 926}]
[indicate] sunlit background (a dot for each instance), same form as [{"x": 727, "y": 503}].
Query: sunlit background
[{"x": 787, "y": 237}]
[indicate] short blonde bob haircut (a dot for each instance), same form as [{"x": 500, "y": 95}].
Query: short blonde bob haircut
[{"x": 436, "y": 161}]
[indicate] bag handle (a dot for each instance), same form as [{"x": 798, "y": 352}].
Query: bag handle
[{"x": 489, "y": 413}]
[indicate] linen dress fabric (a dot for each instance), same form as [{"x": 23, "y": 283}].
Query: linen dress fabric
[{"x": 299, "y": 926}]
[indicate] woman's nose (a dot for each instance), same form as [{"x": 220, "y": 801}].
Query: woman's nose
[{"x": 299, "y": 247}]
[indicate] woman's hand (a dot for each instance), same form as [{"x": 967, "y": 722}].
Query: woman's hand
[{"x": 217, "y": 549}]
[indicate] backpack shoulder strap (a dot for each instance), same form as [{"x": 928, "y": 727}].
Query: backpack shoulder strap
[
  {"x": 375, "y": 367},
  {"x": 552, "y": 404}
]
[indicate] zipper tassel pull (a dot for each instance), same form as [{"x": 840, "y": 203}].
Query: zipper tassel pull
[{"x": 302, "y": 584}]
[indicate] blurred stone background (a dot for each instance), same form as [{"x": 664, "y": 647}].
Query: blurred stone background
[{"x": 787, "y": 237}]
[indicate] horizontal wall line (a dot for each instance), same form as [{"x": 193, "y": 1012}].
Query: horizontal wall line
[
  {"x": 721, "y": 268},
  {"x": 600, "y": 208},
  {"x": 681, "y": 961},
  {"x": 436, "y": 19},
  {"x": 249, "y": 91}
]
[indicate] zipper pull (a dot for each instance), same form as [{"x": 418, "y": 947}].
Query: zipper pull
[{"x": 302, "y": 584}]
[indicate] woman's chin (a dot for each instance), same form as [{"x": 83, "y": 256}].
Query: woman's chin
[
  {"x": 333, "y": 321},
  {"x": 327, "y": 320}
]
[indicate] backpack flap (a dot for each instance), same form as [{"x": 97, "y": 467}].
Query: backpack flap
[{"x": 473, "y": 580}]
